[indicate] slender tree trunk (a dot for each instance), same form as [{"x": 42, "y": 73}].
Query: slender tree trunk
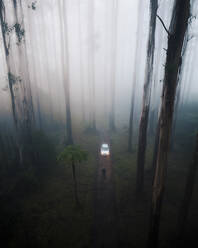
[
  {"x": 135, "y": 73},
  {"x": 35, "y": 76},
  {"x": 158, "y": 69},
  {"x": 47, "y": 66},
  {"x": 178, "y": 95},
  {"x": 177, "y": 30},
  {"x": 183, "y": 213},
  {"x": 11, "y": 81},
  {"x": 65, "y": 70},
  {"x": 81, "y": 66},
  {"x": 91, "y": 58},
  {"x": 156, "y": 145},
  {"x": 26, "y": 110},
  {"x": 75, "y": 184},
  {"x": 146, "y": 98},
  {"x": 112, "y": 125},
  {"x": 131, "y": 120}
]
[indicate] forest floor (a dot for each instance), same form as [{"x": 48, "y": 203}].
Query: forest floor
[
  {"x": 105, "y": 233},
  {"x": 38, "y": 209}
]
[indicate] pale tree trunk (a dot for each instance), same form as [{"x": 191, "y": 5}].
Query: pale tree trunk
[
  {"x": 142, "y": 140},
  {"x": 9, "y": 69},
  {"x": 91, "y": 63},
  {"x": 112, "y": 125},
  {"x": 135, "y": 73},
  {"x": 18, "y": 80},
  {"x": 178, "y": 27},
  {"x": 28, "y": 110},
  {"x": 27, "y": 117},
  {"x": 81, "y": 65},
  {"x": 35, "y": 74},
  {"x": 47, "y": 66},
  {"x": 183, "y": 213},
  {"x": 65, "y": 69}
]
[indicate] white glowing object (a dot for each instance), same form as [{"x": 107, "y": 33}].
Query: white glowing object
[{"x": 104, "y": 150}]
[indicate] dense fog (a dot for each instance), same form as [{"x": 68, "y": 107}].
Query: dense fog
[
  {"x": 81, "y": 73},
  {"x": 100, "y": 46}
]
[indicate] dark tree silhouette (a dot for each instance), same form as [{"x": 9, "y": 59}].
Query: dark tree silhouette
[
  {"x": 73, "y": 154},
  {"x": 183, "y": 213},
  {"x": 176, "y": 34},
  {"x": 142, "y": 140}
]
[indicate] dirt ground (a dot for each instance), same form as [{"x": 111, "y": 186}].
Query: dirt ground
[{"x": 105, "y": 233}]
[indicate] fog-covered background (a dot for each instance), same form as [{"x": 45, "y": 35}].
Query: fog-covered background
[
  {"x": 100, "y": 38},
  {"x": 97, "y": 145}
]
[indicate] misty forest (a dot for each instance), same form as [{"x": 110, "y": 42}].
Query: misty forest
[{"x": 98, "y": 123}]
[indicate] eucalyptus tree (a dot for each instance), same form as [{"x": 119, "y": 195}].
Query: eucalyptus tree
[
  {"x": 142, "y": 139},
  {"x": 183, "y": 213},
  {"x": 159, "y": 59},
  {"x": 91, "y": 62},
  {"x": 136, "y": 66},
  {"x": 36, "y": 77},
  {"x": 112, "y": 125},
  {"x": 65, "y": 68},
  {"x": 81, "y": 63},
  {"x": 166, "y": 10},
  {"x": 23, "y": 65},
  {"x": 13, "y": 32},
  {"x": 46, "y": 67},
  {"x": 176, "y": 34}
]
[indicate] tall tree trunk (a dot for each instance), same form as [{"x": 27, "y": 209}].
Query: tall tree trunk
[
  {"x": 135, "y": 73},
  {"x": 65, "y": 69},
  {"x": 18, "y": 98},
  {"x": 158, "y": 71},
  {"x": 81, "y": 65},
  {"x": 35, "y": 76},
  {"x": 178, "y": 94},
  {"x": 177, "y": 30},
  {"x": 75, "y": 184},
  {"x": 27, "y": 117},
  {"x": 112, "y": 125},
  {"x": 28, "y": 110},
  {"x": 46, "y": 68},
  {"x": 8, "y": 63},
  {"x": 91, "y": 61},
  {"x": 146, "y": 98},
  {"x": 183, "y": 213}
]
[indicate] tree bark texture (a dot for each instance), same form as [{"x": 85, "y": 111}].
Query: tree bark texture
[
  {"x": 142, "y": 140},
  {"x": 177, "y": 30}
]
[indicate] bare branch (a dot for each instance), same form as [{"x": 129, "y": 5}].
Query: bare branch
[{"x": 163, "y": 25}]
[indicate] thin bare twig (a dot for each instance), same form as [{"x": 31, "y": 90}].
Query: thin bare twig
[{"x": 163, "y": 25}]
